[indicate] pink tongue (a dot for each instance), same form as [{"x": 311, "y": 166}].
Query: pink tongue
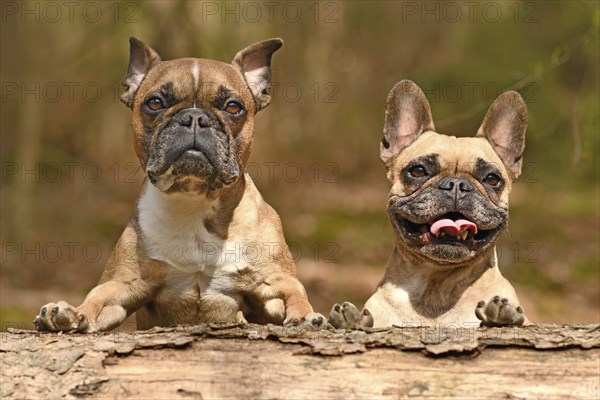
[{"x": 452, "y": 227}]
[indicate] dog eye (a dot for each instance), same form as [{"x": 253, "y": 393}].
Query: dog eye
[
  {"x": 233, "y": 107},
  {"x": 155, "y": 104},
  {"x": 417, "y": 171},
  {"x": 492, "y": 179}
]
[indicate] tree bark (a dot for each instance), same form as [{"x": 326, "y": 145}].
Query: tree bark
[{"x": 253, "y": 361}]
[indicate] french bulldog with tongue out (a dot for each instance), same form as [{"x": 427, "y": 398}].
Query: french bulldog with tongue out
[
  {"x": 202, "y": 245},
  {"x": 448, "y": 205}
]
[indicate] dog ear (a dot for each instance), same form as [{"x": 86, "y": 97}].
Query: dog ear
[
  {"x": 504, "y": 127},
  {"x": 254, "y": 62},
  {"x": 407, "y": 116},
  {"x": 141, "y": 59}
]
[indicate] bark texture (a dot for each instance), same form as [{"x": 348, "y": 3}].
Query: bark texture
[{"x": 253, "y": 361}]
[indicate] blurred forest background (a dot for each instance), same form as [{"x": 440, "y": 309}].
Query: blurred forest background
[{"x": 69, "y": 175}]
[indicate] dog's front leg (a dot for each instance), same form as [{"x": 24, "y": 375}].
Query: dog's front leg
[
  {"x": 104, "y": 308},
  {"x": 287, "y": 288},
  {"x": 124, "y": 287}
]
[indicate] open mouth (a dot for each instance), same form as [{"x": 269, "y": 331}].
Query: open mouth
[{"x": 449, "y": 228}]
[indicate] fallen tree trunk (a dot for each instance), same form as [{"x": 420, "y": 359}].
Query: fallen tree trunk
[{"x": 253, "y": 361}]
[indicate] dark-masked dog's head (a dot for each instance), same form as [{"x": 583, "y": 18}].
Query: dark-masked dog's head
[
  {"x": 449, "y": 196},
  {"x": 193, "y": 118}
]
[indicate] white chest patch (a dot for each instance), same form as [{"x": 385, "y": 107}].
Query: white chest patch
[{"x": 174, "y": 232}]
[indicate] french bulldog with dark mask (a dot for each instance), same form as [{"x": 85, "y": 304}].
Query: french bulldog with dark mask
[
  {"x": 448, "y": 205},
  {"x": 202, "y": 245}
]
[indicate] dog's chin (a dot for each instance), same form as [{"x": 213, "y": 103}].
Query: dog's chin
[
  {"x": 448, "y": 254},
  {"x": 442, "y": 248},
  {"x": 192, "y": 172}
]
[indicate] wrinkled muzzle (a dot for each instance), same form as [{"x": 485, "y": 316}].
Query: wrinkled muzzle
[
  {"x": 447, "y": 225},
  {"x": 193, "y": 144}
]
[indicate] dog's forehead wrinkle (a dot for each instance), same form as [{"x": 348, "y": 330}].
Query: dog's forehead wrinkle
[
  {"x": 201, "y": 73},
  {"x": 166, "y": 88},
  {"x": 224, "y": 93},
  {"x": 221, "y": 89},
  {"x": 482, "y": 165},
  {"x": 431, "y": 159},
  {"x": 460, "y": 154}
]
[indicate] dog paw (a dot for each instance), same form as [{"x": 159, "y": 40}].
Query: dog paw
[
  {"x": 61, "y": 316},
  {"x": 347, "y": 316},
  {"x": 315, "y": 321},
  {"x": 499, "y": 312},
  {"x": 310, "y": 321}
]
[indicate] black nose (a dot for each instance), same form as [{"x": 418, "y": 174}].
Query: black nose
[
  {"x": 455, "y": 184},
  {"x": 194, "y": 118}
]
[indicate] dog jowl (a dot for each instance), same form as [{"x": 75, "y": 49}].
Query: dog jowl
[
  {"x": 179, "y": 259},
  {"x": 448, "y": 204}
]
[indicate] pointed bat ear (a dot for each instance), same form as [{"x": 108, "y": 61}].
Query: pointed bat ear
[
  {"x": 141, "y": 59},
  {"x": 504, "y": 127},
  {"x": 254, "y": 62},
  {"x": 407, "y": 116}
]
